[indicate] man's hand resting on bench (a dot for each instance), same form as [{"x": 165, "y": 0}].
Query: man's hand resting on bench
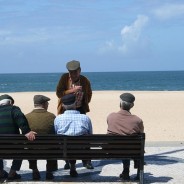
[{"x": 31, "y": 135}]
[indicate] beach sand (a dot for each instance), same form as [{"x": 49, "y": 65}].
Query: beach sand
[{"x": 161, "y": 111}]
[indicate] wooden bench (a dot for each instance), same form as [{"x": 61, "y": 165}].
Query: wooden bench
[{"x": 93, "y": 147}]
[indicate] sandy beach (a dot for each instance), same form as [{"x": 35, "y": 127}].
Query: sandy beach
[{"x": 162, "y": 111}]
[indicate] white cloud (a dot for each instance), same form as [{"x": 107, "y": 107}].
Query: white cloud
[
  {"x": 132, "y": 35},
  {"x": 168, "y": 11},
  {"x": 132, "y": 39}
]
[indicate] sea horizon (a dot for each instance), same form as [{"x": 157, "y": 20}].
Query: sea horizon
[
  {"x": 126, "y": 80},
  {"x": 94, "y": 72}
]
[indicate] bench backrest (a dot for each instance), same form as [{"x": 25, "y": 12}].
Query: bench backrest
[{"x": 96, "y": 146}]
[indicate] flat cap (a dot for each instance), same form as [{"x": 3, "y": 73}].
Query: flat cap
[
  {"x": 73, "y": 65},
  {"x": 127, "y": 97},
  {"x": 68, "y": 99},
  {"x": 6, "y": 97},
  {"x": 40, "y": 99}
]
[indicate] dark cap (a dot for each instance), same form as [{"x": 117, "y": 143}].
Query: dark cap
[
  {"x": 40, "y": 99},
  {"x": 127, "y": 97},
  {"x": 5, "y": 96},
  {"x": 73, "y": 65},
  {"x": 68, "y": 99}
]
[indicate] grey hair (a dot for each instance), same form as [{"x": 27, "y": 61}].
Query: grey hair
[
  {"x": 38, "y": 105},
  {"x": 70, "y": 107},
  {"x": 5, "y": 102},
  {"x": 126, "y": 105}
]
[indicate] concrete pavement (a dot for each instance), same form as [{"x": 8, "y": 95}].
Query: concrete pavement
[{"x": 164, "y": 164}]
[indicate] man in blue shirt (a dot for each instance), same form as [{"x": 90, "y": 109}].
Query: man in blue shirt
[{"x": 72, "y": 123}]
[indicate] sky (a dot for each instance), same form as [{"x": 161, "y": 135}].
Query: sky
[{"x": 40, "y": 36}]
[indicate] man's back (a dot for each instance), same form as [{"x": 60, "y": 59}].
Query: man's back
[
  {"x": 124, "y": 123},
  {"x": 71, "y": 122},
  {"x": 11, "y": 119},
  {"x": 41, "y": 121}
]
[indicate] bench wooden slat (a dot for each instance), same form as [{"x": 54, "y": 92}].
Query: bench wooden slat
[{"x": 93, "y": 147}]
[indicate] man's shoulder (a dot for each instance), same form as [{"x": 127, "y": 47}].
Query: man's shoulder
[
  {"x": 65, "y": 75},
  {"x": 41, "y": 111},
  {"x": 84, "y": 78},
  {"x": 51, "y": 114},
  {"x": 84, "y": 116},
  {"x": 137, "y": 118},
  {"x": 112, "y": 114},
  {"x": 15, "y": 108}
]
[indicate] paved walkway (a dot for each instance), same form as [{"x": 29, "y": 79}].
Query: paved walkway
[{"x": 164, "y": 164}]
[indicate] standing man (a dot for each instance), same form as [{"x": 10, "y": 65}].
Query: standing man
[
  {"x": 75, "y": 83},
  {"x": 42, "y": 121},
  {"x": 11, "y": 120},
  {"x": 124, "y": 123},
  {"x": 71, "y": 122}
]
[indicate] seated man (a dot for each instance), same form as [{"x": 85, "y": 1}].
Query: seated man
[
  {"x": 124, "y": 123},
  {"x": 72, "y": 123},
  {"x": 42, "y": 122},
  {"x": 11, "y": 120}
]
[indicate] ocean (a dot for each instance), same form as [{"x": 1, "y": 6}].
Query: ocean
[{"x": 126, "y": 81}]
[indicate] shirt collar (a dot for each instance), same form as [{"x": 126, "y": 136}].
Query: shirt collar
[
  {"x": 71, "y": 112},
  {"x": 125, "y": 112}
]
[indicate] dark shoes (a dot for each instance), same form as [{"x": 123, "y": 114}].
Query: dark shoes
[
  {"x": 137, "y": 178},
  {"x": 88, "y": 165},
  {"x": 125, "y": 176},
  {"x": 49, "y": 176},
  {"x": 36, "y": 175},
  {"x": 14, "y": 177},
  {"x": 3, "y": 176},
  {"x": 67, "y": 166},
  {"x": 73, "y": 173}
]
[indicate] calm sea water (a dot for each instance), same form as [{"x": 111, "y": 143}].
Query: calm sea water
[{"x": 138, "y": 81}]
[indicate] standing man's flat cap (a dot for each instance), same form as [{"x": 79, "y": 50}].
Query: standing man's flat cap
[
  {"x": 127, "y": 97},
  {"x": 68, "y": 99},
  {"x": 73, "y": 65},
  {"x": 40, "y": 99},
  {"x": 6, "y": 97}
]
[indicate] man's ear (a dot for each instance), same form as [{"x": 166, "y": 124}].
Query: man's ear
[
  {"x": 120, "y": 104},
  {"x": 132, "y": 104}
]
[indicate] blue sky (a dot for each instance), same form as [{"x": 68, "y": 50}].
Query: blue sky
[{"x": 104, "y": 35}]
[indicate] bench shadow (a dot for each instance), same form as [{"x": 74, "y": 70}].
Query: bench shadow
[
  {"x": 162, "y": 159},
  {"x": 95, "y": 175}
]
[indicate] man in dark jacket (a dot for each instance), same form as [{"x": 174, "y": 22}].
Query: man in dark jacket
[
  {"x": 42, "y": 122},
  {"x": 11, "y": 120}
]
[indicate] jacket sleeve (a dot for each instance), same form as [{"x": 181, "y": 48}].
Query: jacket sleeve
[
  {"x": 62, "y": 86},
  {"x": 20, "y": 120},
  {"x": 141, "y": 127},
  {"x": 89, "y": 91}
]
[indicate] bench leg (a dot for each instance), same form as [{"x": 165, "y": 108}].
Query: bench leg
[{"x": 141, "y": 174}]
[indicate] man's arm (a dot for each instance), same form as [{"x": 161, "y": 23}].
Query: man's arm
[{"x": 22, "y": 123}]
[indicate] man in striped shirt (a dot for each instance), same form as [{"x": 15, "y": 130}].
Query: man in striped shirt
[{"x": 71, "y": 122}]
